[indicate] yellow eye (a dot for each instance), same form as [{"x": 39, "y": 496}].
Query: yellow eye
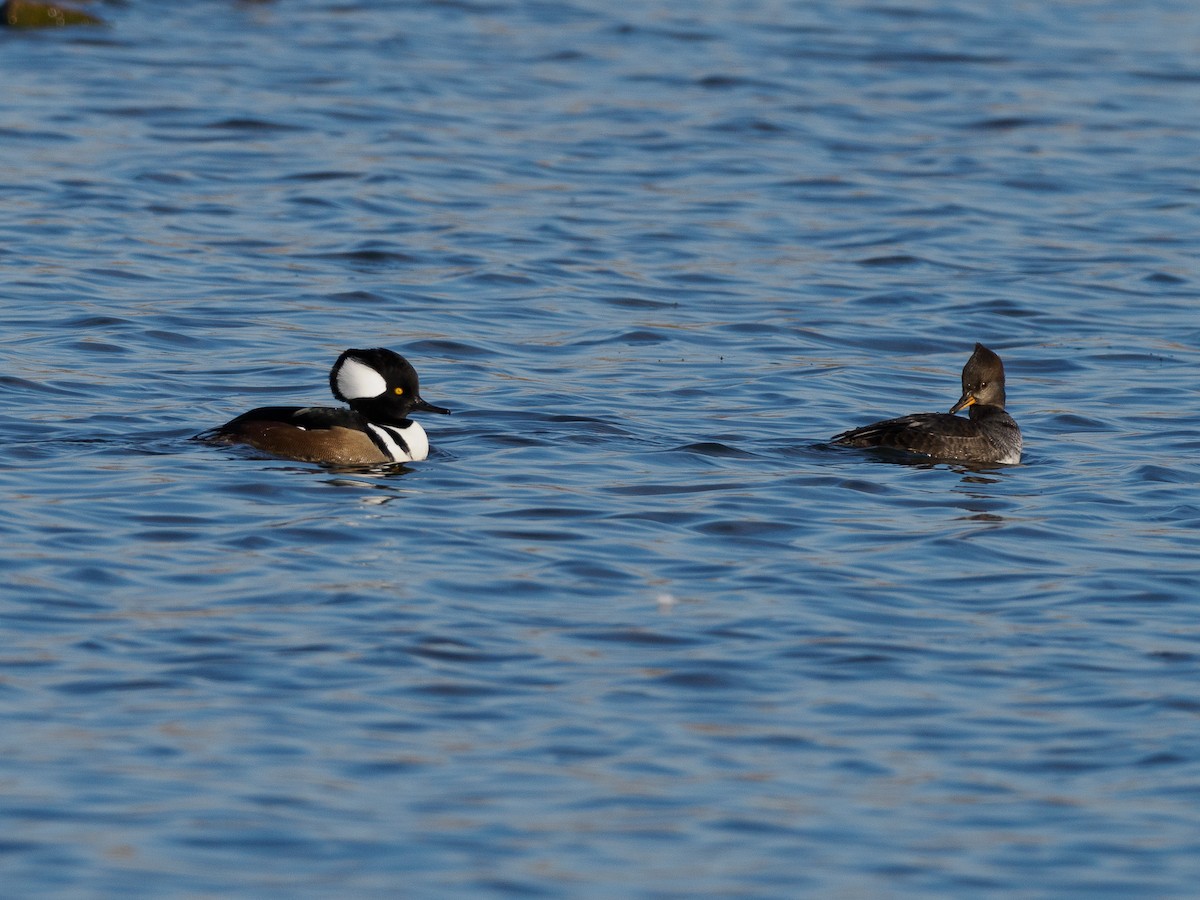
[{"x": 398, "y": 391}]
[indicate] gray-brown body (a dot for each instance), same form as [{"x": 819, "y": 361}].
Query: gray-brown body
[{"x": 990, "y": 435}]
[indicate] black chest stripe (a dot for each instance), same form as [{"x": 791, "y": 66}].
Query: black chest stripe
[{"x": 389, "y": 440}]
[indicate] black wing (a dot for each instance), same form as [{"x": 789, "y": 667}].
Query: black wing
[
  {"x": 934, "y": 434},
  {"x": 310, "y": 418}
]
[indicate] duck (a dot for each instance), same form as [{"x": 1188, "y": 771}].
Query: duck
[
  {"x": 988, "y": 436},
  {"x": 382, "y": 390}
]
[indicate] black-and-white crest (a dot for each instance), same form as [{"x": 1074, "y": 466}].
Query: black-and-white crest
[{"x": 355, "y": 379}]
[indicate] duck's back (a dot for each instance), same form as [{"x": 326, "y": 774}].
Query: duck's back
[
  {"x": 989, "y": 436},
  {"x": 306, "y": 434}
]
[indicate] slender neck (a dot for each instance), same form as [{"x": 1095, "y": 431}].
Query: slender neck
[{"x": 977, "y": 410}]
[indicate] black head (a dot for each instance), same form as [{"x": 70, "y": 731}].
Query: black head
[
  {"x": 982, "y": 380},
  {"x": 379, "y": 384}
]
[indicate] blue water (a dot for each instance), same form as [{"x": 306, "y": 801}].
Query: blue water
[{"x": 633, "y": 629}]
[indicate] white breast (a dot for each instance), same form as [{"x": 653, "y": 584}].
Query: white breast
[{"x": 396, "y": 439}]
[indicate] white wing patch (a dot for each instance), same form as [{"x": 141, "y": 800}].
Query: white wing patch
[{"x": 357, "y": 381}]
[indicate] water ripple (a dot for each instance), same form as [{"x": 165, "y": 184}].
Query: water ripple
[{"x": 634, "y": 628}]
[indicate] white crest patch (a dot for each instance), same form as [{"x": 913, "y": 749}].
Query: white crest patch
[{"x": 358, "y": 381}]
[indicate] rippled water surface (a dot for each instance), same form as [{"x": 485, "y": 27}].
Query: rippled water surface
[{"x": 633, "y": 629}]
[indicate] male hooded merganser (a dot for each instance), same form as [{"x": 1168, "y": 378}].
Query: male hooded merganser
[
  {"x": 381, "y": 388},
  {"x": 989, "y": 436}
]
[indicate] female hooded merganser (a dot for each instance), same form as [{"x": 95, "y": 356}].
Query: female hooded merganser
[
  {"x": 381, "y": 388},
  {"x": 989, "y": 436}
]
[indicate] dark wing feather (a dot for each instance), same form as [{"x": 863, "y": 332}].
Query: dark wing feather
[
  {"x": 310, "y": 418},
  {"x": 934, "y": 434}
]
